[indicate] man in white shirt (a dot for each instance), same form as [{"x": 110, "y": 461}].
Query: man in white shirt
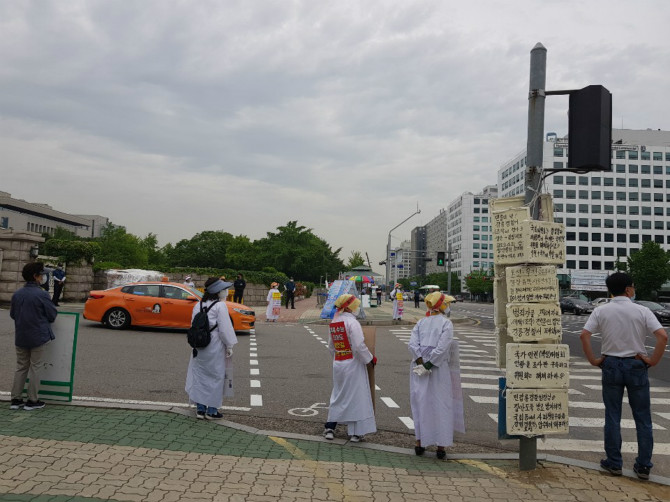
[{"x": 623, "y": 326}]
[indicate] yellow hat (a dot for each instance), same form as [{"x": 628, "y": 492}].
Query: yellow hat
[
  {"x": 347, "y": 301},
  {"x": 438, "y": 301},
  {"x": 274, "y": 285}
]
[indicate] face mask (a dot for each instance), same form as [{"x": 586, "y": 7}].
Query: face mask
[
  {"x": 223, "y": 294},
  {"x": 447, "y": 311},
  {"x": 43, "y": 278},
  {"x": 632, "y": 298}
]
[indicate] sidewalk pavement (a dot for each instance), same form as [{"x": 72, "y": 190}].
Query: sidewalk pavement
[{"x": 85, "y": 453}]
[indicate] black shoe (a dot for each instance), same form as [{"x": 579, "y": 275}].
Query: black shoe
[
  {"x": 200, "y": 415},
  {"x": 16, "y": 404},
  {"x": 642, "y": 472},
  {"x": 614, "y": 471},
  {"x": 419, "y": 450},
  {"x": 441, "y": 454},
  {"x": 30, "y": 406},
  {"x": 217, "y": 416}
]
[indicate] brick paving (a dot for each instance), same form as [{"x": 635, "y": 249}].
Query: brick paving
[{"x": 66, "y": 452}]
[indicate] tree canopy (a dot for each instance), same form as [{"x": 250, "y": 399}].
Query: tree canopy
[{"x": 650, "y": 269}]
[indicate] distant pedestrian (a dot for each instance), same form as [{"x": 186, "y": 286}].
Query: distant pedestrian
[
  {"x": 239, "y": 286},
  {"x": 59, "y": 282},
  {"x": 417, "y": 298},
  {"x": 379, "y": 296},
  {"x": 398, "y": 302},
  {"x": 623, "y": 327},
  {"x": 351, "y": 399},
  {"x": 33, "y": 312},
  {"x": 274, "y": 303},
  {"x": 188, "y": 281},
  {"x": 45, "y": 278},
  {"x": 435, "y": 390},
  {"x": 209, "y": 375},
  {"x": 290, "y": 293}
]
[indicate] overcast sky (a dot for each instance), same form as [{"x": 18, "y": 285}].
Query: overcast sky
[{"x": 177, "y": 117}]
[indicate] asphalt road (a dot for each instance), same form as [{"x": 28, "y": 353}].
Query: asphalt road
[{"x": 283, "y": 372}]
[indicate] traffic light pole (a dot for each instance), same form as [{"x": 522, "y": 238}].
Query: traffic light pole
[{"x": 534, "y": 149}]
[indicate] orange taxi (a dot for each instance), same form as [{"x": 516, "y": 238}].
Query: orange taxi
[{"x": 156, "y": 304}]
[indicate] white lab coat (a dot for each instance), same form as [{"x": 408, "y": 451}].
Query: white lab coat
[
  {"x": 398, "y": 306},
  {"x": 351, "y": 401},
  {"x": 436, "y": 399},
  {"x": 272, "y": 303},
  {"x": 206, "y": 379}
]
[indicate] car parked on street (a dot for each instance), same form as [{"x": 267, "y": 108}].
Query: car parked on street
[
  {"x": 600, "y": 301},
  {"x": 575, "y": 305},
  {"x": 661, "y": 313},
  {"x": 155, "y": 304}
]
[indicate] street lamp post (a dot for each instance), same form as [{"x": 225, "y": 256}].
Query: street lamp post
[{"x": 388, "y": 245}]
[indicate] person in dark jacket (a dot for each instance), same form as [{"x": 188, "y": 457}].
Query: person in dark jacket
[
  {"x": 290, "y": 293},
  {"x": 33, "y": 312},
  {"x": 239, "y": 286}
]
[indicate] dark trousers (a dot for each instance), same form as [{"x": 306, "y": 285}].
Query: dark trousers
[
  {"x": 330, "y": 425},
  {"x": 58, "y": 289},
  {"x": 290, "y": 297},
  {"x": 237, "y": 297}
]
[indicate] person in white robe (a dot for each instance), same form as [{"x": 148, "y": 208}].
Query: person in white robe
[
  {"x": 398, "y": 302},
  {"x": 274, "y": 303},
  {"x": 351, "y": 399},
  {"x": 209, "y": 375},
  {"x": 436, "y": 397}
]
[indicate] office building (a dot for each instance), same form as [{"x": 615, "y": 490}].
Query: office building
[
  {"x": 418, "y": 244},
  {"x": 607, "y": 215}
]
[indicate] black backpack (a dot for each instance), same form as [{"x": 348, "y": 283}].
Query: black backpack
[{"x": 200, "y": 334}]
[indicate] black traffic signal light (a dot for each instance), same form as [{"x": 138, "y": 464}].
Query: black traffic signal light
[
  {"x": 440, "y": 258},
  {"x": 590, "y": 129}
]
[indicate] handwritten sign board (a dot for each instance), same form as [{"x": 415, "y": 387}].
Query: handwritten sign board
[
  {"x": 534, "y": 321},
  {"x": 502, "y": 341},
  {"x": 533, "y": 412},
  {"x": 507, "y": 227},
  {"x": 538, "y": 366},
  {"x": 527, "y": 241},
  {"x": 531, "y": 283}
]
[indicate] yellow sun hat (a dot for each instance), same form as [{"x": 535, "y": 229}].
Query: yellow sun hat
[
  {"x": 274, "y": 285},
  {"x": 438, "y": 301},
  {"x": 347, "y": 301}
]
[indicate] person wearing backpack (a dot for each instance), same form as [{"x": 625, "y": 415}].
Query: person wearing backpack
[{"x": 206, "y": 379}]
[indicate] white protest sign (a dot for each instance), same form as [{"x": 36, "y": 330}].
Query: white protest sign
[
  {"x": 528, "y": 322},
  {"x": 57, "y": 377},
  {"x": 534, "y": 412},
  {"x": 538, "y": 366},
  {"x": 532, "y": 283}
]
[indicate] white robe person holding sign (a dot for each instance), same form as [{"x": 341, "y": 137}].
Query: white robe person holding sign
[
  {"x": 435, "y": 391},
  {"x": 398, "y": 302},
  {"x": 274, "y": 303},
  {"x": 209, "y": 377},
  {"x": 351, "y": 400}
]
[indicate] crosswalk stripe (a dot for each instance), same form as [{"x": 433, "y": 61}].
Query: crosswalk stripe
[
  {"x": 593, "y": 422},
  {"x": 595, "y": 446},
  {"x": 389, "y": 402},
  {"x": 409, "y": 423}
]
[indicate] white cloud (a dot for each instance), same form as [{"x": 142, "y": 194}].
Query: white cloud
[{"x": 176, "y": 117}]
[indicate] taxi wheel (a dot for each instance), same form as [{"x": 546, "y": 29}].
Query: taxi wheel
[{"x": 117, "y": 318}]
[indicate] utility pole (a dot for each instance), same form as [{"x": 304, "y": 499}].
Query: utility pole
[
  {"x": 388, "y": 245},
  {"x": 534, "y": 153},
  {"x": 449, "y": 268}
]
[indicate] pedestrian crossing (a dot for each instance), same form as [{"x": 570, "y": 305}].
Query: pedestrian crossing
[{"x": 479, "y": 379}]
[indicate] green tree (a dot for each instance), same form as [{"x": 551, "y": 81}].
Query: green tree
[
  {"x": 297, "y": 252},
  {"x": 479, "y": 282},
  {"x": 118, "y": 246},
  {"x": 355, "y": 260},
  {"x": 650, "y": 269},
  {"x": 206, "y": 249}
]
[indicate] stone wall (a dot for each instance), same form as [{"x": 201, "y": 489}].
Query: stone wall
[
  {"x": 14, "y": 254},
  {"x": 78, "y": 282}
]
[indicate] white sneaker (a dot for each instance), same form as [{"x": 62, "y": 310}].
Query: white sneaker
[
  {"x": 328, "y": 434},
  {"x": 356, "y": 439}
]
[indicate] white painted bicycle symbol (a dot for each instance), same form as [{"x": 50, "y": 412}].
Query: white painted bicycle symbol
[{"x": 308, "y": 412}]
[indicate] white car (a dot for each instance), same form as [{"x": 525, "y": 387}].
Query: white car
[{"x": 598, "y": 302}]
